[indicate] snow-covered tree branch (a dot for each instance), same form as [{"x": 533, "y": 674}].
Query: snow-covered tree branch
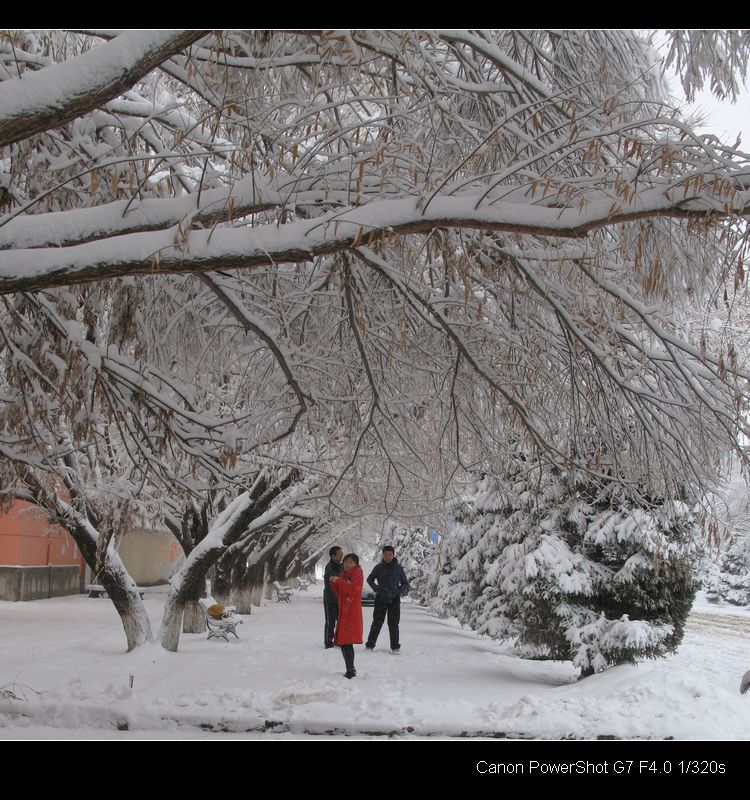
[
  {"x": 376, "y": 256},
  {"x": 58, "y": 93}
]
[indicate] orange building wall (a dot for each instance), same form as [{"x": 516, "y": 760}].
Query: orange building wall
[{"x": 28, "y": 539}]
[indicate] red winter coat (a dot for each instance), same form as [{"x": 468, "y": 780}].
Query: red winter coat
[{"x": 348, "y": 589}]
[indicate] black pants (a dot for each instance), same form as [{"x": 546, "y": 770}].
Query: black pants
[
  {"x": 393, "y": 611},
  {"x": 332, "y": 613},
  {"x": 347, "y": 650}
]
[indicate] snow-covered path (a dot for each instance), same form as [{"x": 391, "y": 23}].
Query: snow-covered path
[{"x": 63, "y": 658}]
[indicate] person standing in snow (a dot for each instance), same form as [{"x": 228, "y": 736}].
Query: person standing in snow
[
  {"x": 348, "y": 589},
  {"x": 330, "y": 601},
  {"x": 388, "y": 581}
]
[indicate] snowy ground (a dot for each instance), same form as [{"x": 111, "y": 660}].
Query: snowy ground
[{"x": 63, "y": 660}]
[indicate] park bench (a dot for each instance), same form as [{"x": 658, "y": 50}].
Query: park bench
[
  {"x": 220, "y": 628},
  {"x": 304, "y": 584},
  {"x": 283, "y": 593}
]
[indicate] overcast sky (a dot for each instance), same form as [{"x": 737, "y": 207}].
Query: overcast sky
[{"x": 726, "y": 119}]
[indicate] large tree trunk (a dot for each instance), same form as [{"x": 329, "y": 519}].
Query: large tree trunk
[
  {"x": 193, "y": 620},
  {"x": 267, "y": 584},
  {"x": 222, "y": 583},
  {"x": 127, "y": 601},
  {"x": 123, "y": 592},
  {"x": 256, "y": 593},
  {"x": 182, "y": 607},
  {"x": 172, "y": 621},
  {"x": 185, "y": 587},
  {"x": 237, "y": 590},
  {"x": 242, "y": 598},
  {"x": 235, "y": 581},
  {"x": 136, "y": 632},
  {"x": 113, "y": 576},
  {"x": 255, "y": 581}
]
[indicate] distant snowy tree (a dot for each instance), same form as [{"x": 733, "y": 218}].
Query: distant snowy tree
[
  {"x": 724, "y": 563},
  {"x": 259, "y": 520},
  {"x": 416, "y": 553},
  {"x": 733, "y": 580},
  {"x": 244, "y": 574}
]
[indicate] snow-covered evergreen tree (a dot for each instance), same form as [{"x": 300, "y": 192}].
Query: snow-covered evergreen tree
[
  {"x": 734, "y": 577},
  {"x": 570, "y": 571},
  {"x": 724, "y": 564}
]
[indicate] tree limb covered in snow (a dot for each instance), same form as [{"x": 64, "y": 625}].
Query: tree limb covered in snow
[
  {"x": 183, "y": 251},
  {"x": 379, "y": 249},
  {"x": 56, "y": 94}
]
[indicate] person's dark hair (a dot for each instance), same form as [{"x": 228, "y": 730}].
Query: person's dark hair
[
  {"x": 389, "y": 547},
  {"x": 354, "y": 557},
  {"x": 332, "y": 552}
]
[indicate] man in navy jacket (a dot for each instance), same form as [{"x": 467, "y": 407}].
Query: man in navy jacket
[
  {"x": 389, "y": 583},
  {"x": 330, "y": 601}
]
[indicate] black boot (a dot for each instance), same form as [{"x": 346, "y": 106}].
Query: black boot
[{"x": 347, "y": 651}]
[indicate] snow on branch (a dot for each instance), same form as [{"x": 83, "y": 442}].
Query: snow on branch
[
  {"x": 56, "y": 94},
  {"x": 295, "y": 242}
]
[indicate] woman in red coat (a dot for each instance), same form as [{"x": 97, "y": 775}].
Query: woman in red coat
[{"x": 348, "y": 589}]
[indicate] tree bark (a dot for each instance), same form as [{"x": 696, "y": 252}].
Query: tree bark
[
  {"x": 193, "y": 620},
  {"x": 256, "y": 593},
  {"x": 242, "y": 598},
  {"x": 234, "y": 584},
  {"x": 172, "y": 621},
  {"x": 182, "y": 599}
]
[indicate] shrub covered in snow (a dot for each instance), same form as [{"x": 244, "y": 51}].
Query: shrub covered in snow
[{"x": 570, "y": 571}]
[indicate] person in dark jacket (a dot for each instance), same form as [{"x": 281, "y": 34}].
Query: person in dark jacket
[
  {"x": 389, "y": 583},
  {"x": 330, "y": 601},
  {"x": 348, "y": 589}
]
